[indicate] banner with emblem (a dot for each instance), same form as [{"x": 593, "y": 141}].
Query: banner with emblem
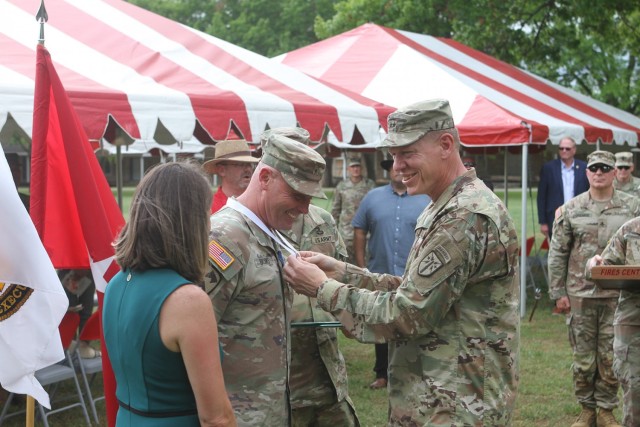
[{"x": 32, "y": 301}]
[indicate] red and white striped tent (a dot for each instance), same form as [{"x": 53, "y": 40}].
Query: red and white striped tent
[
  {"x": 135, "y": 74},
  {"x": 493, "y": 103}
]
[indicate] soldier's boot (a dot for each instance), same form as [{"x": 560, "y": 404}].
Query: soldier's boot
[
  {"x": 606, "y": 419},
  {"x": 587, "y": 418}
]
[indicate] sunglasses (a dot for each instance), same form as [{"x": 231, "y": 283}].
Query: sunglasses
[
  {"x": 623, "y": 167},
  {"x": 469, "y": 165},
  {"x": 565, "y": 148},
  {"x": 603, "y": 168}
]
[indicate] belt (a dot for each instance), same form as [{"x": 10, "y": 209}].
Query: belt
[{"x": 169, "y": 414}]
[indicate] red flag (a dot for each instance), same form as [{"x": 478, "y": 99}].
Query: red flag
[{"x": 72, "y": 205}]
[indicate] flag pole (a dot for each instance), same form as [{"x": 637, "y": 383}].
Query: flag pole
[
  {"x": 31, "y": 408},
  {"x": 41, "y": 17}
]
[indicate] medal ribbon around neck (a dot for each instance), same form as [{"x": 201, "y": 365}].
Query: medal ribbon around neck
[{"x": 274, "y": 234}]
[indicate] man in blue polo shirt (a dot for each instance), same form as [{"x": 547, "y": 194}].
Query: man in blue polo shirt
[{"x": 389, "y": 215}]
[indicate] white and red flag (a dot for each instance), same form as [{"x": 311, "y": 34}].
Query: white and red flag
[
  {"x": 72, "y": 205},
  {"x": 32, "y": 301}
]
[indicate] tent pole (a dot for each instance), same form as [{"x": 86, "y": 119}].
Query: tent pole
[
  {"x": 523, "y": 225},
  {"x": 506, "y": 180}
]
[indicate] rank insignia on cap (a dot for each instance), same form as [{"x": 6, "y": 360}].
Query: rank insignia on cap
[{"x": 220, "y": 255}]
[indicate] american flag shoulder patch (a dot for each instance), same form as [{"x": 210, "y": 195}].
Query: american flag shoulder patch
[{"x": 220, "y": 255}]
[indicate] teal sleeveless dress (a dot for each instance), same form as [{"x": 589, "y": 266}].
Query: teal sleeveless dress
[{"x": 153, "y": 388}]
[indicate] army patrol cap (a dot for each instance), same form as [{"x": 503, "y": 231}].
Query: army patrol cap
[
  {"x": 601, "y": 158},
  {"x": 301, "y": 167},
  {"x": 624, "y": 158},
  {"x": 354, "y": 161},
  {"x": 295, "y": 133},
  {"x": 231, "y": 150},
  {"x": 408, "y": 124}
]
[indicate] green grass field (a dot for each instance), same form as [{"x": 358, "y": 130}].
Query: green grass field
[{"x": 545, "y": 396}]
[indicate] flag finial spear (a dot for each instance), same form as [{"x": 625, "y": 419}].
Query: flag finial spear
[{"x": 42, "y": 17}]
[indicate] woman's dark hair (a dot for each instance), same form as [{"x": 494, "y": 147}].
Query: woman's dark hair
[{"x": 168, "y": 223}]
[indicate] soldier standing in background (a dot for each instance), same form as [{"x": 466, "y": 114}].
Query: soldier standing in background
[
  {"x": 346, "y": 199},
  {"x": 319, "y": 384},
  {"x": 624, "y": 249},
  {"x": 251, "y": 300},
  {"x": 452, "y": 320},
  {"x": 581, "y": 230},
  {"x": 625, "y": 181}
]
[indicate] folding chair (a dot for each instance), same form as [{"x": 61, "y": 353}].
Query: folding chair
[
  {"x": 54, "y": 374},
  {"x": 93, "y": 366}
]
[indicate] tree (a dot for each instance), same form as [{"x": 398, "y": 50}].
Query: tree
[{"x": 266, "y": 27}]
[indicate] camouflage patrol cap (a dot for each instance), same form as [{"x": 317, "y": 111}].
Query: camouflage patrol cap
[
  {"x": 408, "y": 124},
  {"x": 624, "y": 158},
  {"x": 301, "y": 167},
  {"x": 295, "y": 133},
  {"x": 601, "y": 158},
  {"x": 354, "y": 161}
]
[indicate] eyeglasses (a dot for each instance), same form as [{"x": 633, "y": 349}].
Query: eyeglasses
[
  {"x": 603, "y": 168},
  {"x": 469, "y": 165},
  {"x": 623, "y": 167},
  {"x": 565, "y": 148}
]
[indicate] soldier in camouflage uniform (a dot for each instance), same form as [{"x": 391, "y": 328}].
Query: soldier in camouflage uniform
[
  {"x": 624, "y": 249},
  {"x": 452, "y": 320},
  {"x": 581, "y": 230},
  {"x": 318, "y": 384},
  {"x": 346, "y": 199},
  {"x": 318, "y": 376},
  {"x": 625, "y": 181},
  {"x": 251, "y": 301}
]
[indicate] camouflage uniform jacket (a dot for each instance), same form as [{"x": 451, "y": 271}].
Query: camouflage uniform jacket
[
  {"x": 624, "y": 249},
  {"x": 632, "y": 187},
  {"x": 452, "y": 322},
  {"x": 581, "y": 231},
  {"x": 252, "y": 307},
  {"x": 346, "y": 199},
  {"x": 319, "y": 234}
]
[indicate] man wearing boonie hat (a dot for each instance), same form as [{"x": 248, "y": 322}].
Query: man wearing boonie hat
[
  {"x": 625, "y": 181},
  {"x": 250, "y": 298},
  {"x": 346, "y": 199},
  {"x": 582, "y": 228},
  {"x": 234, "y": 165},
  {"x": 452, "y": 319}
]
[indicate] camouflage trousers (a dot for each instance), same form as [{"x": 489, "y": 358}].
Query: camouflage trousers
[
  {"x": 591, "y": 336},
  {"x": 626, "y": 366},
  {"x": 331, "y": 415}
]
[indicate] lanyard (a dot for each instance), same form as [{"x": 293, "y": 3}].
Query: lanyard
[{"x": 275, "y": 234}]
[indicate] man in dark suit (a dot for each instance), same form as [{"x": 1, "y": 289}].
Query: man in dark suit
[{"x": 560, "y": 180}]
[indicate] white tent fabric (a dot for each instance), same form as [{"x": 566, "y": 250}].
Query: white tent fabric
[
  {"x": 493, "y": 103},
  {"x": 135, "y": 74}
]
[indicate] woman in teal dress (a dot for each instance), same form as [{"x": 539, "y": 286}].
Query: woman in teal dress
[{"x": 159, "y": 325}]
